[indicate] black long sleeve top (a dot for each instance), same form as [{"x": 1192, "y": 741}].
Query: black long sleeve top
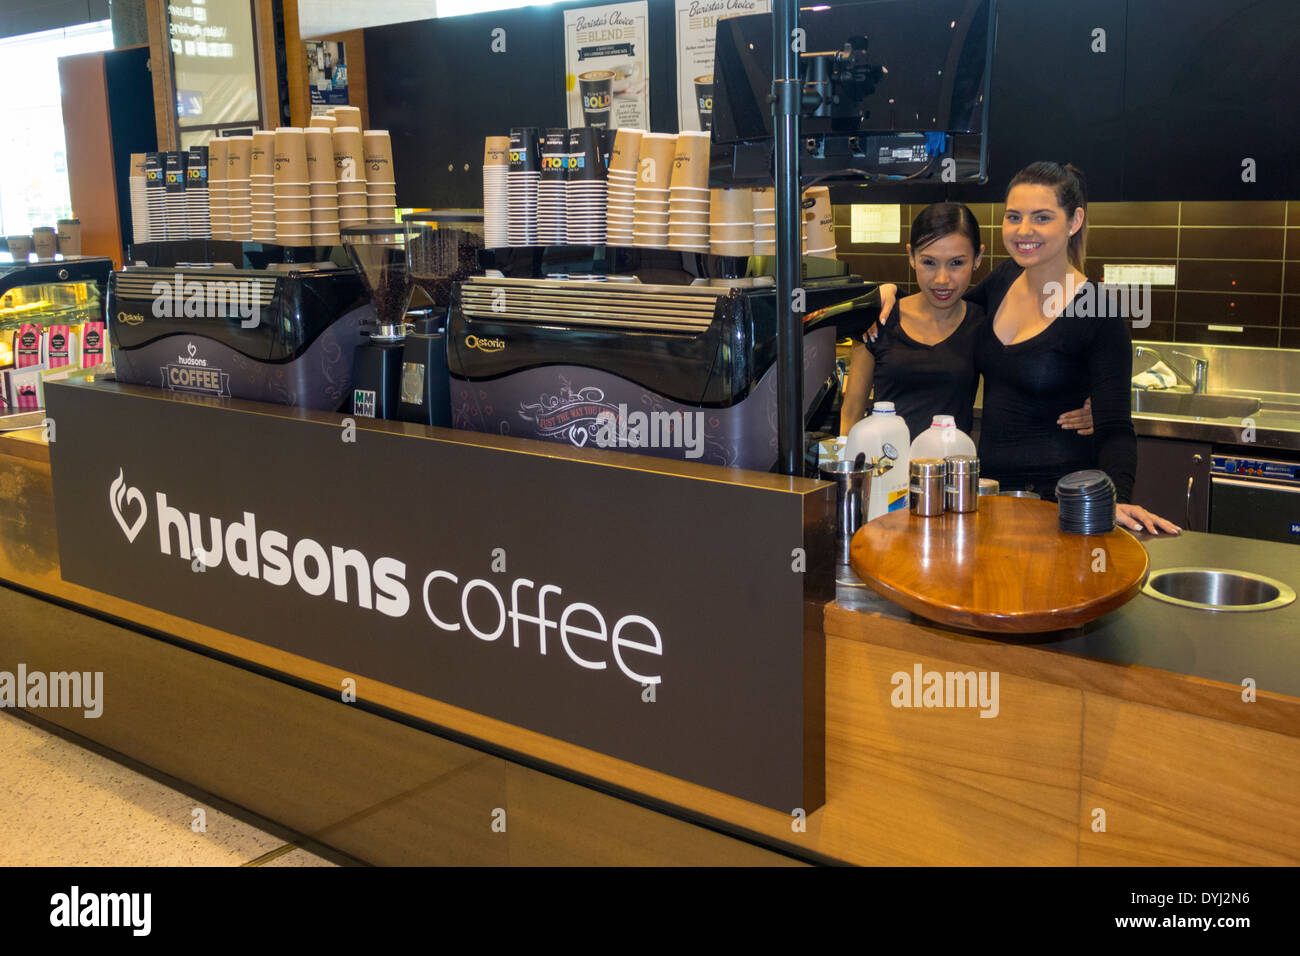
[{"x": 1028, "y": 385}]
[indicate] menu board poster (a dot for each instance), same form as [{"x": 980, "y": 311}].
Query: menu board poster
[
  {"x": 697, "y": 25},
  {"x": 606, "y": 58},
  {"x": 327, "y": 75}
]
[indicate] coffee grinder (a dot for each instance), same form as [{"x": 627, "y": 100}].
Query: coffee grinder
[
  {"x": 442, "y": 248},
  {"x": 379, "y": 255}
]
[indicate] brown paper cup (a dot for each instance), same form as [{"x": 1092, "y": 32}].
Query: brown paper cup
[
  {"x": 691, "y": 161},
  {"x": 322, "y": 122},
  {"x": 349, "y": 162},
  {"x": 731, "y": 205},
  {"x": 496, "y": 151},
  {"x": 320, "y": 155},
  {"x": 377, "y": 149},
  {"x": 290, "y": 155},
  {"x": 69, "y": 236},
  {"x": 138, "y": 160},
  {"x": 45, "y": 242},
  {"x": 262, "y": 161},
  {"x": 239, "y": 154},
  {"x": 626, "y": 151},
  {"x": 655, "y": 164},
  {"x": 347, "y": 116}
]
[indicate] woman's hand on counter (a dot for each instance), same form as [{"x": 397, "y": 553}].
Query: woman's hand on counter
[
  {"x": 888, "y": 296},
  {"x": 1137, "y": 518},
  {"x": 1080, "y": 418}
]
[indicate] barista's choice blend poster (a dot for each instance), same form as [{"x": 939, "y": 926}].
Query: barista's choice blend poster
[
  {"x": 607, "y": 63},
  {"x": 697, "y": 25}
]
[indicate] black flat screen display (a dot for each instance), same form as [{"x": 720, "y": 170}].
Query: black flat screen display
[{"x": 926, "y": 68}]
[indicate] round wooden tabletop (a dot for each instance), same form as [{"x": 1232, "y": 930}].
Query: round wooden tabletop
[{"x": 1006, "y": 568}]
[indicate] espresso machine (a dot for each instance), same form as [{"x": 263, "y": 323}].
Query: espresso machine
[
  {"x": 284, "y": 333},
  {"x": 688, "y": 341}
]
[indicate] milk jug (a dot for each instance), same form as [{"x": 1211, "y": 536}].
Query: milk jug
[
  {"x": 884, "y": 437},
  {"x": 941, "y": 439}
]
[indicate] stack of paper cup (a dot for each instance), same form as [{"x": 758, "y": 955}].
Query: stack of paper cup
[
  {"x": 322, "y": 121},
  {"x": 818, "y": 223},
  {"x": 239, "y": 158},
  {"x": 585, "y": 203},
  {"x": 350, "y": 177},
  {"x": 765, "y": 221},
  {"x": 620, "y": 187},
  {"x": 176, "y": 210},
  {"x": 650, "y": 203},
  {"x": 522, "y": 181},
  {"x": 322, "y": 187},
  {"x": 496, "y": 197},
  {"x": 139, "y": 199},
  {"x": 688, "y": 194},
  {"x": 196, "y": 192},
  {"x": 156, "y": 189},
  {"x": 551, "y": 187},
  {"x": 218, "y": 209},
  {"x": 292, "y": 199},
  {"x": 261, "y": 185},
  {"x": 731, "y": 222},
  {"x": 381, "y": 183}
]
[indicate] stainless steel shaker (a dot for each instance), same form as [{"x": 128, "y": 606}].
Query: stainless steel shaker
[
  {"x": 926, "y": 489},
  {"x": 962, "y": 488}
]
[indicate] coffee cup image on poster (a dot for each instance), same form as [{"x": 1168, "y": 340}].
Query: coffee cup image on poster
[
  {"x": 607, "y": 83},
  {"x": 697, "y": 28}
]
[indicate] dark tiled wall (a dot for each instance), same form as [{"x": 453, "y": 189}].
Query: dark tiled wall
[{"x": 1238, "y": 264}]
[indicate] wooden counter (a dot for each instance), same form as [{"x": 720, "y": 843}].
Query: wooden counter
[{"x": 1087, "y": 761}]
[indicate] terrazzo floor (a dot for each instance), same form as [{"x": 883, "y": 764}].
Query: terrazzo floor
[{"x": 62, "y": 805}]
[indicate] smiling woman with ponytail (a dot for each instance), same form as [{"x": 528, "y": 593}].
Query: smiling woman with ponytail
[{"x": 1045, "y": 350}]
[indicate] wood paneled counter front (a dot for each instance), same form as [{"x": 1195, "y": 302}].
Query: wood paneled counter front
[{"x": 1129, "y": 741}]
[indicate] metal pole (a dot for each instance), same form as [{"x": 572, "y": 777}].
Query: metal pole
[{"x": 786, "y": 92}]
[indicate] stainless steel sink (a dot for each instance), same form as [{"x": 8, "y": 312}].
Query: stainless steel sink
[
  {"x": 1198, "y": 406},
  {"x": 1214, "y": 589}
]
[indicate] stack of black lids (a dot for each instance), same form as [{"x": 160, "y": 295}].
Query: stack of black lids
[{"x": 1087, "y": 502}]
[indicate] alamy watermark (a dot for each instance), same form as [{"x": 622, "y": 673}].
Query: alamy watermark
[
  {"x": 212, "y": 298},
  {"x": 1092, "y": 300},
  {"x": 922, "y": 688},
  {"x": 27, "y": 690},
  {"x": 651, "y": 430}
]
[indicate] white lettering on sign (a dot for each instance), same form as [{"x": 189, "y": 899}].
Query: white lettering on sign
[{"x": 347, "y": 575}]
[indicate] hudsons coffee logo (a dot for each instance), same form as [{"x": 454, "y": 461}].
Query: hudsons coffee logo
[
  {"x": 484, "y": 345},
  {"x": 192, "y": 374},
  {"x": 587, "y": 636}
]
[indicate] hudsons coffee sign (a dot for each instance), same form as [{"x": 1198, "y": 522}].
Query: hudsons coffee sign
[
  {"x": 651, "y": 616},
  {"x": 589, "y": 637}
]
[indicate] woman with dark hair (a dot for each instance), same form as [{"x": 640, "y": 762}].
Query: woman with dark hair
[
  {"x": 1049, "y": 344},
  {"x": 925, "y": 363}
]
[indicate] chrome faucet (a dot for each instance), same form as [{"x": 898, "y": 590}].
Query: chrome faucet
[
  {"x": 1200, "y": 371},
  {"x": 1200, "y": 367}
]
